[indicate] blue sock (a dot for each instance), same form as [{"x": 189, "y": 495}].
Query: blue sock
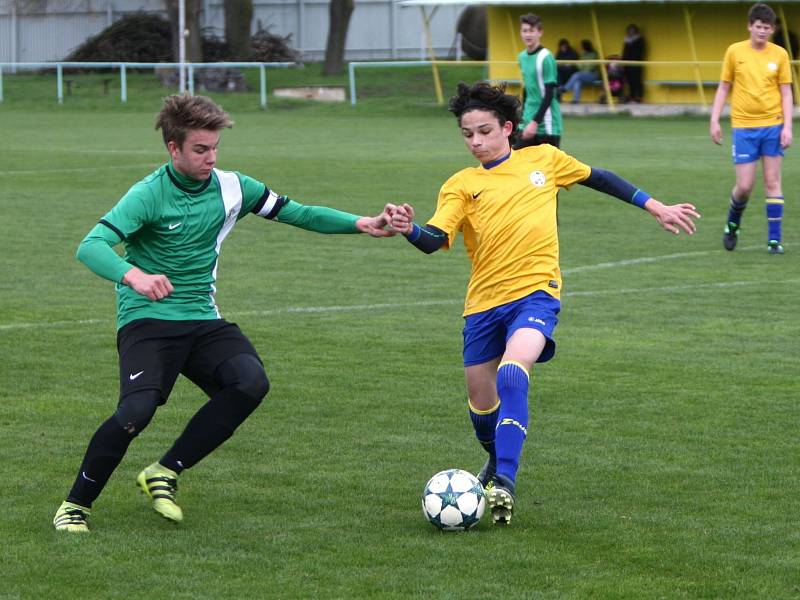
[
  {"x": 485, "y": 422},
  {"x": 774, "y": 217},
  {"x": 512, "y": 428},
  {"x": 736, "y": 209}
]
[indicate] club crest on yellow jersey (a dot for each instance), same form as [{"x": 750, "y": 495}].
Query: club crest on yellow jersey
[{"x": 537, "y": 178}]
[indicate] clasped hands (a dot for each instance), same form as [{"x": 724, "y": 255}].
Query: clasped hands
[{"x": 392, "y": 220}]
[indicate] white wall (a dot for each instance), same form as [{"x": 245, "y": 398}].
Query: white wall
[{"x": 47, "y": 30}]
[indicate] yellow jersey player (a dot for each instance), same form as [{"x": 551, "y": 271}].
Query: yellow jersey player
[
  {"x": 758, "y": 72},
  {"x": 505, "y": 208}
]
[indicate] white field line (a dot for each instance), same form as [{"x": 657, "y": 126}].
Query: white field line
[
  {"x": 365, "y": 307},
  {"x": 40, "y": 324},
  {"x": 401, "y": 305},
  {"x": 680, "y": 288},
  {"x": 644, "y": 260}
]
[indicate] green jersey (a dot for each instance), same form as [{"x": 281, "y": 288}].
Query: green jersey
[
  {"x": 539, "y": 69},
  {"x": 173, "y": 225}
]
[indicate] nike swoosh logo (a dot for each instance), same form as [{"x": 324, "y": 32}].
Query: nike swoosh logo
[
  {"x": 135, "y": 375},
  {"x": 174, "y": 226},
  {"x": 87, "y": 478},
  {"x": 476, "y": 194}
]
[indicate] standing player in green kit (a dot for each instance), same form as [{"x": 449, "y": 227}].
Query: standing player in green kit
[
  {"x": 172, "y": 224},
  {"x": 541, "y": 112}
]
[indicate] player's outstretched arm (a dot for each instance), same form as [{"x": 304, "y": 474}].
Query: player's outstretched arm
[
  {"x": 322, "y": 219},
  {"x": 673, "y": 217},
  {"x": 377, "y": 226}
]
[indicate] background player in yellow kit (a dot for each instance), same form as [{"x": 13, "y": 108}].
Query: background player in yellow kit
[
  {"x": 505, "y": 209},
  {"x": 761, "y": 119}
]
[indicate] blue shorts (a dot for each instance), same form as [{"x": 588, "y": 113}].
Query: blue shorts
[
  {"x": 486, "y": 333},
  {"x": 751, "y": 143}
]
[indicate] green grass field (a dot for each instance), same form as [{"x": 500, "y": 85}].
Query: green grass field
[{"x": 662, "y": 457}]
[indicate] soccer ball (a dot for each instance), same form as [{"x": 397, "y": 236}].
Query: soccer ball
[{"x": 453, "y": 500}]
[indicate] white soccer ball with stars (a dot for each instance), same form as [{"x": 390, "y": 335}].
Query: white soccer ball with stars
[{"x": 453, "y": 500}]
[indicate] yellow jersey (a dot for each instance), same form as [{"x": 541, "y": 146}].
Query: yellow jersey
[
  {"x": 507, "y": 216},
  {"x": 756, "y": 76}
]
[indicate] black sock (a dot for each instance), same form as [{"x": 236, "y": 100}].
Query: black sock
[
  {"x": 736, "y": 209},
  {"x": 214, "y": 423},
  {"x": 106, "y": 449}
]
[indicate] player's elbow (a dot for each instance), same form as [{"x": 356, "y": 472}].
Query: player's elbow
[{"x": 83, "y": 250}]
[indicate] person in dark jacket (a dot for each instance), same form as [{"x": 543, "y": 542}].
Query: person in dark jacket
[
  {"x": 634, "y": 49},
  {"x": 565, "y": 52}
]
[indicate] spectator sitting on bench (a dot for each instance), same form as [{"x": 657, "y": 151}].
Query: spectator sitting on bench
[
  {"x": 566, "y": 52},
  {"x": 586, "y": 73}
]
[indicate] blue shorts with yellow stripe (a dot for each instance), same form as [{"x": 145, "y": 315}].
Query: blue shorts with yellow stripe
[
  {"x": 486, "y": 333},
  {"x": 751, "y": 143}
]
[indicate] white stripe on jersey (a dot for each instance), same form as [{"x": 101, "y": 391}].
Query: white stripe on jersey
[
  {"x": 231, "y": 192},
  {"x": 272, "y": 198},
  {"x": 548, "y": 116}
]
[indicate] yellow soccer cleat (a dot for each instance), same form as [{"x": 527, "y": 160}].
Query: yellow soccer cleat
[
  {"x": 500, "y": 496},
  {"x": 71, "y": 517},
  {"x": 161, "y": 485}
]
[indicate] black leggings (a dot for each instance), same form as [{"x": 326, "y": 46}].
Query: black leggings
[{"x": 242, "y": 385}]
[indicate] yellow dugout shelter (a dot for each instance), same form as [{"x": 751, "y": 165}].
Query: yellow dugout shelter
[{"x": 685, "y": 40}]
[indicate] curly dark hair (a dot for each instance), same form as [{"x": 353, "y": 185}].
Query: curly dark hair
[
  {"x": 761, "y": 12},
  {"x": 492, "y": 98}
]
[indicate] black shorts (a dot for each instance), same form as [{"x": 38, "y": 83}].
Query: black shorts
[
  {"x": 153, "y": 352},
  {"x": 537, "y": 140}
]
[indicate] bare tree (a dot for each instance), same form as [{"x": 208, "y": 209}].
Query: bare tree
[
  {"x": 238, "y": 19},
  {"x": 194, "y": 41},
  {"x": 340, "y": 12}
]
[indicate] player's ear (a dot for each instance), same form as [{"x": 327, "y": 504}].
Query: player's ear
[
  {"x": 508, "y": 127},
  {"x": 173, "y": 148}
]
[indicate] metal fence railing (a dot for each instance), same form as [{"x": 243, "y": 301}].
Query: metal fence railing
[
  {"x": 691, "y": 75},
  {"x": 123, "y": 67}
]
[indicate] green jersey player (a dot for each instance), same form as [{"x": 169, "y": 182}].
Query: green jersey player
[
  {"x": 541, "y": 113},
  {"x": 172, "y": 224}
]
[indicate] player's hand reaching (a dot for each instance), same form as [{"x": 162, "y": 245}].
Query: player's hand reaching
[
  {"x": 673, "y": 217},
  {"x": 786, "y": 137},
  {"x": 402, "y": 219},
  {"x": 716, "y": 132},
  {"x": 530, "y": 130},
  {"x": 377, "y": 226},
  {"x": 154, "y": 287}
]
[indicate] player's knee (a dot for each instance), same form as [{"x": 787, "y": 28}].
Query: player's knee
[
  {"x": 256, "y": 387},
  {"x": 772, "y": 185},
  {"x": 246, "y": 373},
  {"x": 743, "y": 190},
  {"x": 136, "y": 410}
]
